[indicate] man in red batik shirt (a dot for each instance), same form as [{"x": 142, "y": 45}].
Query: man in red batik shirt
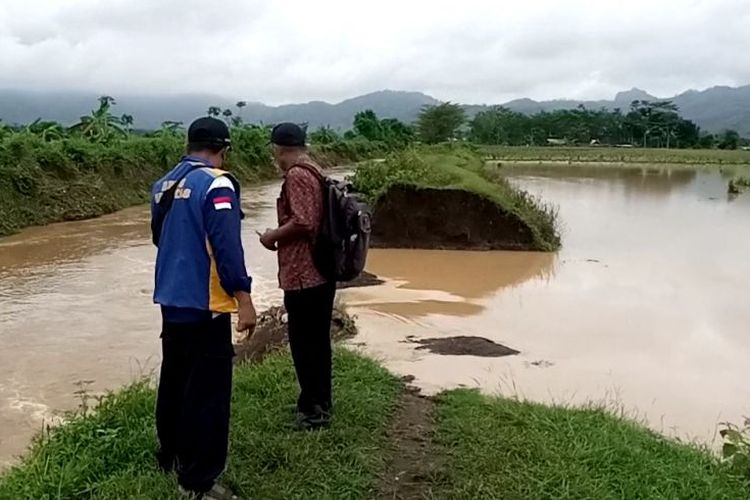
[{"x": 308, "y": 296}]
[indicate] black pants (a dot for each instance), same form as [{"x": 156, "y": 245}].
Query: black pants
[
  {"x": 193, "y": 402},
  {"x": 309, "y": 311}
]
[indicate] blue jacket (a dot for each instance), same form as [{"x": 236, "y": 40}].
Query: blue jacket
[{"x": 200, "y": 263}]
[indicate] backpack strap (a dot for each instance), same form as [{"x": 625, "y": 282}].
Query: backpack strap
[
  {"x": 167, "y": 197},
  {"x": 306, "y": 166},
  {"x": 165, "y": 203}
]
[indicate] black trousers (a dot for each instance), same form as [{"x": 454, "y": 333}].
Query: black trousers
[
  {"x": 193, "y": 401},
  {"x": 309, "y": 311}
]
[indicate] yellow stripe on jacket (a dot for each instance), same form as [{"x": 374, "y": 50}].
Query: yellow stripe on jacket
[{"x": 219, "y": 301}]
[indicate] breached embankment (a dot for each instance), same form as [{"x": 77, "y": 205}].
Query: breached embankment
[
  {"x": 446, "y": 219},
  {"x": 445, "y": 198}
]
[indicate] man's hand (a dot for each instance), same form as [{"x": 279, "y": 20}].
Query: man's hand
[
  {"x": 268, "y": 240},
  {"x": 247, "y": 316}
]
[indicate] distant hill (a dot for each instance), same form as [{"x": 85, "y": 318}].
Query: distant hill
[
  {"x": 714, "y": 109},
  {"x": 150, "y": 111}
]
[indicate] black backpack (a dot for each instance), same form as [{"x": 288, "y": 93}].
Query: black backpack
[{"x": 340, "y": 249}]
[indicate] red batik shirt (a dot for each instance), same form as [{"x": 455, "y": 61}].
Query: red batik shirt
[{"x": 301, "y": 200}]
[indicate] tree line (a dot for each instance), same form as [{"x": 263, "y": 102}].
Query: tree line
[{"x": 655, "y": 124}]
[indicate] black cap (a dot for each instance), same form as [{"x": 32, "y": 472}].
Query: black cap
[
  {"x": 288, "y": 134},
  {"x": 210, "y": 132}
]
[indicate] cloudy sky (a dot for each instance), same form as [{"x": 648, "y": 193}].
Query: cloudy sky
[{"x": 470, "y": 51}]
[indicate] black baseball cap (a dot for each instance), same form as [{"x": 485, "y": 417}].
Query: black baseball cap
[
  {"x": 209, "y": 131},
  {"x": 288, "y": 134}
]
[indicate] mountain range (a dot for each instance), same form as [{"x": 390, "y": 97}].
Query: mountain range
[{"x": 714, "y": 109}]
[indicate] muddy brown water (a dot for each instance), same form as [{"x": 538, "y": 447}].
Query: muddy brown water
[{"x": 645, "y": 307}]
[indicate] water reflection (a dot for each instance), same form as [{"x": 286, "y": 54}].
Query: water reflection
[
  {"x": 638, "y": 181},
  {"x": 465, "y": 279}
]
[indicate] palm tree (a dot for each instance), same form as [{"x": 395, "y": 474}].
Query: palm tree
[
  {"x": 127, "y": 122},
  {"x": 237, "y": 120}
]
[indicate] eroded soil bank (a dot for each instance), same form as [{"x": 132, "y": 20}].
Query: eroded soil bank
[{"x": 447, "y": 219}]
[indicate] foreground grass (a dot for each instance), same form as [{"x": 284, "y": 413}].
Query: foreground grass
[
  {"x": 496, "y": 448},
  {"x": 461, "y": 168},
  {"x": 617, "y": 155},
  {"x": 109, "y": 454},
  {"x": 484, "y": 448}
]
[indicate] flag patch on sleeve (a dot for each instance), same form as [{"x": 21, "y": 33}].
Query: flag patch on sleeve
[{"x": 222, "y": 203}]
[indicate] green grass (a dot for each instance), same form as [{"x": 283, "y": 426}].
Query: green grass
[
  {"x": 617, "y": 155},
  {"x": 504, "y": 449},
  {"x": 484, "y": 448},
  {"x": 107, "y": 454},
  {"x": 459, "y": 167}
]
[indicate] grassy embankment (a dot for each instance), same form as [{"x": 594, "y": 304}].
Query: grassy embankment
[
  {"x": 482, "y": 448},
  {"x": 446, "y": 167},
  {"x": 73, "y": 178}
]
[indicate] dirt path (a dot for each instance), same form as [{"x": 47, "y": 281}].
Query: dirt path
[{"x": 407, "y": 472}]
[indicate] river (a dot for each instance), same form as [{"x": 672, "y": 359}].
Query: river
[{"x": 644, "y": 309}]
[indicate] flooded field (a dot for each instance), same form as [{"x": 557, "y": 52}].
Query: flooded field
[{"x": 645, "y": 307}]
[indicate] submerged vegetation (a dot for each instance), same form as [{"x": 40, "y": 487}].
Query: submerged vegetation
[
  {"x": 481, "y": 448},
  {"x": 739, "y": 184},
  {"x": 609, "y": 155}
]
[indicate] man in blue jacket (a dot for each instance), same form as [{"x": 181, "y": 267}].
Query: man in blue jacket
[{"x": 200, "y": 280}]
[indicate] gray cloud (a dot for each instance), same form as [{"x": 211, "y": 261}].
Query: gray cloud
[{"x": 472, "y": 51}]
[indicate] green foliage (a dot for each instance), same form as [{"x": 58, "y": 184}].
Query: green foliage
[
  {"x": 48, "y": 173},
  {"x": 349, "y": 150},
  {"x": 107, "y": 453},
  {"x": 324, "y": 135},
  {"x": 46, "y": 180},
  {"x": 390, "y": 131},
  {"x": 501, "y": 448},
  {"x": 403, "y": 167},
  {"x": 730, "y": 139},
  {"x": 654, "y": 124},
  {"x": 736, "y": 449},
  {"x": 440, "y": 123}
]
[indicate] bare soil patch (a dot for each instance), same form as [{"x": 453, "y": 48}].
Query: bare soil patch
[
  {"x": 410, "y": 466},
  {"x": 465, "y": 346},
  {"x": 271, "y": 334}
]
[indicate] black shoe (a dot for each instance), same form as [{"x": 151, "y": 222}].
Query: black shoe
[
  {"x": 217, "y": 492},
  {"x": 317, "y": 419}
]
